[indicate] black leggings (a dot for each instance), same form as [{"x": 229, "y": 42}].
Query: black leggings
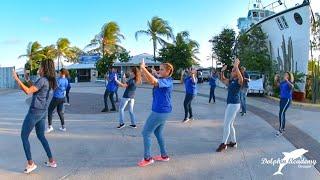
[
  {"x": 67, "y": 94},
  {"x": 110, "y": 94},
  {"x": 187, "y": 105},
  {"x": 56, "y": 103}
]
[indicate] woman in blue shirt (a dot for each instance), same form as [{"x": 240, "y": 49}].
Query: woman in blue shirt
[
  {"x": 37, "y": 112},
  {"x": 213, "y": 85},
  {"x": 286, "y": 88},
  {"x": 128, "y": 96},
  {"x": 111, "y": 88},
  {"x": 161, "y": 109},
  {"x": 190, "y": 84},
  {"x": 58, "y": 100},
  {"x": 233, "y": 105}
]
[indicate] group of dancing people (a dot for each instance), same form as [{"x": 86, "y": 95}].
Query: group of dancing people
[{"x": 162, "y": 83}]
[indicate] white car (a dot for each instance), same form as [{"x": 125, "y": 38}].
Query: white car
[{"x": 255, "y": 84}]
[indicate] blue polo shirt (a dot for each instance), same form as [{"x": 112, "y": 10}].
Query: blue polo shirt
[
  {"x": 285, "y": 90},
  {"x": 233, "y": 92},
  {"x": 162, "y": 96},
  {"x": 245, "y": 82},
  {"x": 191, "y": 87},
  {"x": 62, "y": 85},
  {"x": 112, "y": 84},
  {"x": 212, "y": 81}
]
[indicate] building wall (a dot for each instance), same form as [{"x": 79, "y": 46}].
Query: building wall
[{"x": 6, "y": 80}]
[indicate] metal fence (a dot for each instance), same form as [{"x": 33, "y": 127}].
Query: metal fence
[{"x": 6, "y": 80}]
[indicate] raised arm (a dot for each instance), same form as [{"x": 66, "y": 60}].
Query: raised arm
[
  {"x": 122, "y": 84},
  {"x": 236, "y": 68},
  {"x": 148, "y": 76},
  {"x": 223, "y": 79},
  {"x": 182, "y": 76},
  {"x": 193, "y": 75},
  {"x": 32, "y": 89}
]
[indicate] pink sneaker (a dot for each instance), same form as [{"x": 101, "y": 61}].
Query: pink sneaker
[
  {"x": 144, "y": 162},
  {"x": 51, "y": 164},
  {"x": 160, "y": 158}
]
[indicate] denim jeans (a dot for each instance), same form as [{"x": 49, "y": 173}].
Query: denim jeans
[
  {"x": 34, "y": 118},
  {"x": 284, "y": 105},
  {"x": 154, "y": 124},
  {"x": 123, "y": 104},
  {"x": 56, "y": 103},
  {"x": 243, "y": 100},
  {"x": 212, "y": 95},
  {"x": 110, "y": 95},
  {"x": 187, "y": 105}
]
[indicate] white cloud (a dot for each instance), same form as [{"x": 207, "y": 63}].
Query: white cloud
[
  {"x": 46, "y": 19},
  {"x": 12, "y": 41}
]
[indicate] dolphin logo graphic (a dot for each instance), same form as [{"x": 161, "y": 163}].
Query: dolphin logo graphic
[{"x": 290, "y": 156}]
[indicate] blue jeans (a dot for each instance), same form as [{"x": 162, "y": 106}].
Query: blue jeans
[
  {"x": 34, "y": 118},
  {"x": 154, "y": 124},
  {"x": 123, "y": 104},
  {"x": 284, "y": 105},
  {"x": 212, "y": 95},
  {"x": 243, "y": 100}
]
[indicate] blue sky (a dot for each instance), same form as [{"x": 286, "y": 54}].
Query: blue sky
[{"x": 79, "y": 21}]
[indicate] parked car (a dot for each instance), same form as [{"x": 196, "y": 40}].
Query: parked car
[{"x": 256, "y": 83}]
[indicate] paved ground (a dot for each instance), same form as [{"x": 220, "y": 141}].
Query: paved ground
[{"x": 93, "y": 149}]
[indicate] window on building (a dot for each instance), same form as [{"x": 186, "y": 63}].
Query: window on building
[
  {"x": 284, "y": 22},
  {"x": 254, "y": 14},
  {"x": 279, "y": 23}
]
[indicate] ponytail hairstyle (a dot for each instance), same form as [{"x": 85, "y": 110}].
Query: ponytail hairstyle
[
  {"x": 48, "y": 69},
  {"x": 169, "y": 68},
  {"x": 137, "y": 75}
]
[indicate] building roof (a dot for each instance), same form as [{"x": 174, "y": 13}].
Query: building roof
[
  {"x": 136, "y": 60},
  {"x": 81, "y": 66}
]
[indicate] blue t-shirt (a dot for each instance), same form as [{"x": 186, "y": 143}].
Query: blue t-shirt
[
  {"x": 212, "y": 81},
  {"x": 62, "y": 85},
  {"x": 131, "y": 89},
  {"x": 191, "y": 87},
  {"x": 233, "y": 92},
  {"x": 285, "y": 90},
  {"x": 162, "y": 96},
  {"x": 112, "y": 84},
  {"x": 40, "y": 98}
]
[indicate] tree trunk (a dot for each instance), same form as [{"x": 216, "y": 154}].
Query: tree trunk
[{"x": 154, "y": 49}]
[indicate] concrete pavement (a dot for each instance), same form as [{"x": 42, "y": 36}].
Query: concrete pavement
[{"x": 93, "y": 148}]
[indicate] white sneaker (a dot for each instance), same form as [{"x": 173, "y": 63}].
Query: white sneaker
[
  {"x": 49, "y": 129},
  {"x": 30, "y": 168},
  {"x": 67, "y": 104},
  {"x": 63, "y": 129},
  {"x": 279, "y": 133},
  {"x": 49, "y": 164}
]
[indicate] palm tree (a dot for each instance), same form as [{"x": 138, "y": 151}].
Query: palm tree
[
  {"x": 184, "y": 38},
  {"x": 63, "y": 50},
  {"x": 108, "y": 41},
  {"x": 33, "y": 52},
  {"x": 157, "y": 28},
  {"x": 49, "y": 52}
]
